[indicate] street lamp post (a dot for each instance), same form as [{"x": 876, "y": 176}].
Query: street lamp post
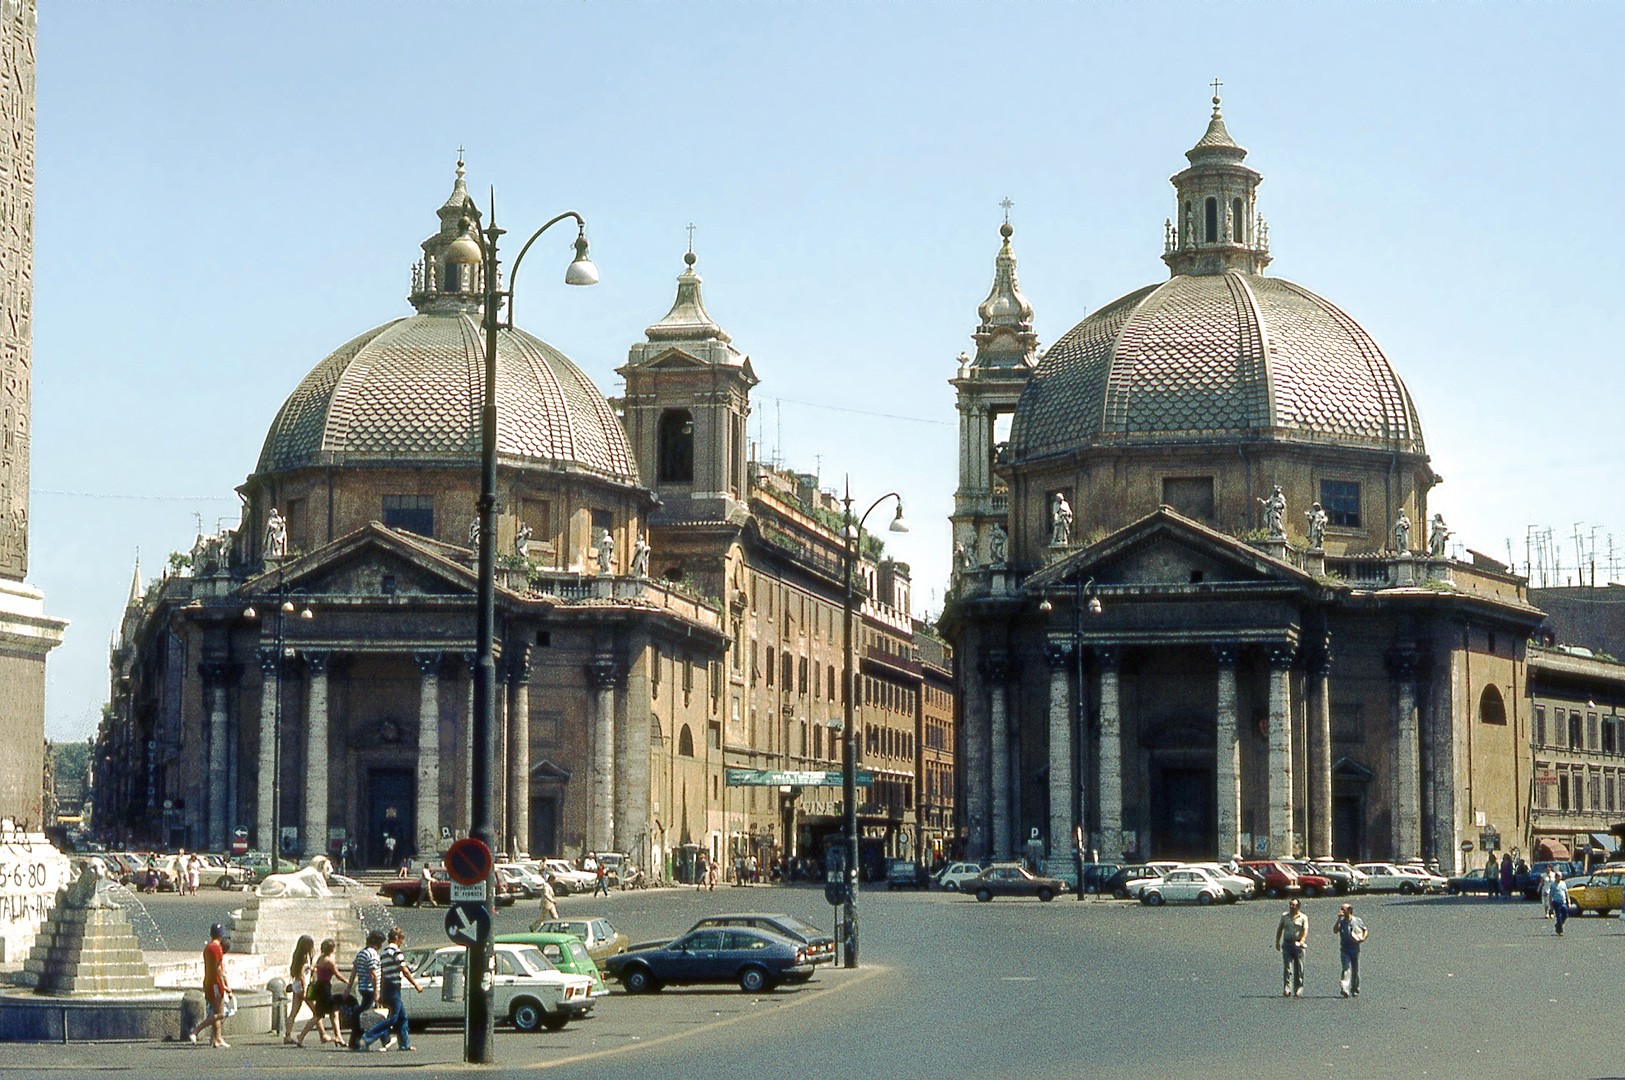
[
  {"x": 284, "y": 608},
  {"x": 852, "y": 532},
  {"x": 475, "y": 247}
]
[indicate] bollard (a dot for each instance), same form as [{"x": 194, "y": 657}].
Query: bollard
[{"x": 279, "y": 1004}]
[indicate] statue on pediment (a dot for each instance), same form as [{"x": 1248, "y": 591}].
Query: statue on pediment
[{"x": 276, "y": 535}]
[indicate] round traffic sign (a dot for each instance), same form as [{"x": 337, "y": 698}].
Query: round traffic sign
[
  {"x": 468, "y": 861},
  {"x": 468, "y": 923}
]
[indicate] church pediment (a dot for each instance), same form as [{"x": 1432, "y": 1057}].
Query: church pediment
[
  {"x": 373, "y": 561},
  {"x": 676, "y": 358},
  {"x": 1166, "y": 549}
]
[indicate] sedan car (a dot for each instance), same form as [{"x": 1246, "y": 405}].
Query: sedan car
[
  {"x": 1013, "y": 881},
  {"x": 1602, "y": 892},
  {"x": 1386, "y": 877},
  {"x": 1238, "y": 886},
  {"x": 527, "y": 991},
  {"x": 406, "y": 891},
  {"x": 602, "y": 939},
  {"x": 755, "y": 959},
  {"x": 820, "y": 946},
  {"x": 521, "y": 880},
  {"x": 1129, "y": 880},
  {"x": 1189, "y": 885},
  {"x": 1277, "y": 878},
  {"x": 1345, "y": 877},
  {"x": 954, "y": 875},
  {"x": 564, "y": 951},
  {"x": 1311, "y": 880},
  {"x": 1473, "y": 881},
  {"x": 567, "y": 879},
  {"x": 1427, "y": 880}
]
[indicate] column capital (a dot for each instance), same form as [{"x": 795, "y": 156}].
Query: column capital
[
  {"x": 1108, "y": 656},
  {"x": 1281, "y": 656},
  {"x": 517, "y": 663},
  {"x": 269, "y": 662},
  {"x": 1402, "y": 663},
  {"x": 1319, "y": 659},
  {"x": 1058, "y": 654},
  {"x": 317, "y": 661},
  {"x": 997, "y": 668},
  {"x": 428, "y": 663},
  {"x": 216, "y": 672},
  {"x": 1227, "y": 653},
  {"x": 603, "y": 673}
]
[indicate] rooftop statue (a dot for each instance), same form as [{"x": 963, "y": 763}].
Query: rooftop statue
[
  {"x": 1437, "y": 537},
  {"x": 998, "y": 544},
  {"x": 1317, "y": 527},
  {"x": 1060, "y": 521},
  {"x": 606, "y": 554},
  {"x": 276, "y": 535},
  {"x": 1275, "y": 514},
  {"x": 521, "y": 538},
  {"x": 640, "y": 557},
  {"x": 1402, "y": 532}
]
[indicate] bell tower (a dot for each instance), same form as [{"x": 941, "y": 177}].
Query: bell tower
[
  {"x": 988, "y": 388},
  {"x": 686, "y": 405},
  {"x": 1216, "y": 227}
]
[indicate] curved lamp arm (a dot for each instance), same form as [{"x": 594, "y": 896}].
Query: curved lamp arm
[{"x": 486, "y": 240}]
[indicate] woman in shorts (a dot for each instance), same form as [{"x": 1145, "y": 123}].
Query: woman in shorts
[{"x": 320, "y": 994}]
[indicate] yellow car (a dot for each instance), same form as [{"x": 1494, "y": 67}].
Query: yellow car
[{"x": 1602, "y": 892}]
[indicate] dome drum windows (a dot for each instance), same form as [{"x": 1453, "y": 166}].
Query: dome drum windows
[
  {"x": 410, "y": 513},
  {"x": 1210, "y": 231},
  {"x": 1341, "y": 501}
]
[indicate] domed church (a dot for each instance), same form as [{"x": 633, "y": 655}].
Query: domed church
[
  {"x": 1199, "y": 603},
  {"x": 320, "y": 657}
]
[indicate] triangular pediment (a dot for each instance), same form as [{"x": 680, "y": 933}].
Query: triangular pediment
[
  {"x": 1166, "y": 549},
  {"x": 545, "y": 771},
  {"x": 676, "y": 358},
  {"x": 375, "y": 560}
]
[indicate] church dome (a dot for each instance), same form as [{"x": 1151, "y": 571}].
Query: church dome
[
  {"x": 1219, "y": 352},
  {"x": 411, "y": 391},
  {"x": 1221, "y": 356}
]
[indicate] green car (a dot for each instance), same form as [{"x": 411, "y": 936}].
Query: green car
[{"x": 566, "y": 952}]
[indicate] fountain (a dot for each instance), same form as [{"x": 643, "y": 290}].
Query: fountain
[{"x": 90, "y": 978}]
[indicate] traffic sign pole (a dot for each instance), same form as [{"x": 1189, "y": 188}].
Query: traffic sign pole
[{"x": 469, "y": 862}]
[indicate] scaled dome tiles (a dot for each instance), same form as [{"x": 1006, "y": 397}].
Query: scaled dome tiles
[
  {"x": 410, "y": 391},
  {"x": 1215, "y": 358}
]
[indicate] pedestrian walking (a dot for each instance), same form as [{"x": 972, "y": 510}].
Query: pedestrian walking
[
  {"x": 194, "y": 874},
  {"x": 711, "y": 876},
  {"x": 1492, "y": 878},
  {"x": 320, "y": 995},
  {"x": 1506, "y": 876},
  {"x": 389, "y": 854},
  {"x": 600, "y": 882},
  {"x": 392, "y": 968},
  {"x": 298, "y": 982},
  {"x": 1291, "y": 939},
  {"x": 1546, "y": 878},
  {"x": 216, "y": 990},
  {"x": 1351, "y": 934},
  {"x": 550, "y": 902},
  {"x": 701, "y": 869},
  {"x": 1560, "y": 900},
  {"x": 364, "y": 981},
  {"x": 426, "y": 886}
]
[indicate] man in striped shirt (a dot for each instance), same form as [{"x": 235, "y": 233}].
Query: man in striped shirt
[
  {"x": 365, "y": 982},
  {"x": 391, "y": 967}
]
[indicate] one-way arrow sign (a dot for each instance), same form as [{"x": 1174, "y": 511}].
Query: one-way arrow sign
[{"x": 468, "y": 923}]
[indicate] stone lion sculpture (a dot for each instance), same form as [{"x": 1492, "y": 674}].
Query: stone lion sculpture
[
  {"x": 89, "y": 888},
  {"x": 311, "y": 881}
]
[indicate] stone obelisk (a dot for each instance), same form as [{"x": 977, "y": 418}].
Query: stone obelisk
[{"x": 26, "y": 632}]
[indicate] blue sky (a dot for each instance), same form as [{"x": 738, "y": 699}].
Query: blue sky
[{"x": 227, "y": 192}]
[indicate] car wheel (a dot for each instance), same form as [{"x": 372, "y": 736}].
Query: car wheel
[
  {"x": 1452, "y": 890},
  {"x": 984, "y": 895},
  {"x": 1151, "y": 899},
  {"x": 1406, "y": 888},
  {"x": 1119, "y": 893},
  {"x": 637, "y": 980},
  {"x": 1206, "y": 900},
  {"x": 224, "y": 883},
  {"x": 1045, "y": 895},
  {"x": 1312, "y": 891},
  {"x": 951, "y": 886},
  {"x": 753, "y": 980},
  {"x": 527, "y": 1014},
  {"x": 398, "y": 899}
]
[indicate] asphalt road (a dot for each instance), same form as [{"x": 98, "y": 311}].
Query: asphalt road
[{"x": 953, "y": 988}]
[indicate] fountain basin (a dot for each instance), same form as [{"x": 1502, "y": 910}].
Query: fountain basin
[{"x": 26, "y": 1016}]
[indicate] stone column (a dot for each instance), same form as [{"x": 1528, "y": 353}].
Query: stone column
[
  {"x": 427, "y": 810},
  {"x": 1227, "y": 763},
  {"x": 973, "y": 770},
  {"x": 637, "y": 823},
  {"x": 1110, "y": 784},
  {"x": 316, "y": 754},
  {"x": 601, "y": 678},
  {"x": 1320, "y": 753},
  {"x": 215, "y": 675},
  {"x": 995, "y": 671},
  {"x": 518, "y": 833},
  {"x": 270, "y": 666},
  {"x": 1061, "y": 750},
  {"x": 1407, "y": 779},
  {"x": 1280, "y": 753}
]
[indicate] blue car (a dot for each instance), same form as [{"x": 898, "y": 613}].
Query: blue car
[{"x": 755, "y": 959}]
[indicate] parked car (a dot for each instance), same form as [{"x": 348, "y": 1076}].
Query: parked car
[
  {"x": 1602, "y": 892},
  {"x": 567, "y": 879},
  {"x": 617, "y": 865},
  {"x": 258, "y": 863},
  {"x": 523, "y": 882},
  {"x": 1311, "y": 880},
  {"x": 1096, "y": 874},
  {"x": 1345, "y": 877},
  {"x": 1238, "y": 886},
  {"x": 820, "y": 946},
  {"x": 954, "y": 875},
  {"x": 1128, "y": 880},
  {"x": 1473, "y": 881},
  {"x": 407, "y": 891},
  {"x": 906, "y": 874},
  {"x": 1013, "y": 881},
  {"x": 1528, "y": 882},
  {"x": 224, "y": 873},
  {"x": 1409, "y": 880},
  {"x": 755, "y": 959},
  {"x": 1187, "y": 884},
  {"x": 602, "y": 939},
  {"x": 1428, "y": 881},
  {"x": 527, "y": 991},
  {"x": 566, "y": 952},
  {"x": 1278, "y": 879}
]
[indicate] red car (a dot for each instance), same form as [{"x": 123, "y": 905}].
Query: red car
[
  {"x": 405, "y": 892},
  {"x": 1278, "y": 879}
]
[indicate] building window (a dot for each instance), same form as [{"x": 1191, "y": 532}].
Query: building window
[
  {"x": 788, "y": 664},
  {"x": 676, "y": 447},
  {"x": 1341, "y": 501},
  {"x": 1540, "y": 725},
  {"x": 1562, "y": 791},
  {"x": 654, "y": 673},
  {"x": 801, "y": 680},
  {"x": 1592, "y": 740},
  {"x": 713, "y": 732},
  {"x": 755, "y": 658},
  {"x": 538, "y": 516},
  {"x": 1238, "y": 225},
  {"x": 818, "y": 741},
  {"x": 1189, "y": 495},
  {"x": 411, "y": 513},
  {"x": 1491, "y": 709},
  {"x": 770, "y": 667},
  {"x": 832, "y": 682},
  {"x": 1610, "y": 737},
  {"x": 685, "y": 742},
  {"x": 1212, "y": 222},
  {"x": 1576, "y": 735}
]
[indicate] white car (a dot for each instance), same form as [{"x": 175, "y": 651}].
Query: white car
[
  {"x": 1134, "y": 888},
  {"x": 1430, "y": 882},
  {"x": 1238, "y": 887},
  {"x": 567, "y": 879},
  {"x": 528, "y": 992},
  {"x": 1188, "y": 884},
  {"x": 954, "y": 875},
  {"x": 1386, "y": 877}
]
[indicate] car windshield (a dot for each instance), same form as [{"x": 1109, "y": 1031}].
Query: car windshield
[
  {"x": 582, "y": 957},
  {"x": 532, "y": 958},
  {"x": 805, "y": 929},
  {"x": 574, "y": 929}
]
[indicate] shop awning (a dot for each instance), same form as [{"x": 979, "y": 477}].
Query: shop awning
[
  {"x": 1550, "y": 849},
  {"x": 1606, "y": 842}
]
